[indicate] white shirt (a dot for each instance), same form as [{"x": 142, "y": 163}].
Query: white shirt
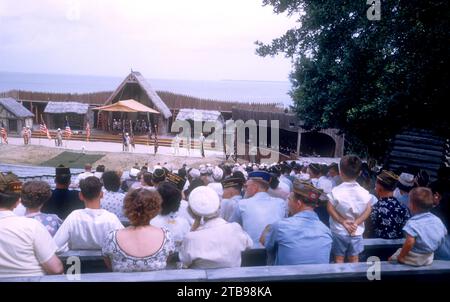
[
  {"x": 98, "y": 174},
  {"x": 183, "y": 212},
  {"x": 227, "y": 206},
  {"x": 287, "y": 181},
  {"x": 20, "y": 210},
  {"x": 215, "y": 244},
  {"x": 82, "y": 176},
  {"x": 324, "y": 184},
  {"x": 86, "y": 229},
  {"x": 282, "y": 191},
  {"x": 350, "y": 200},
  {"x": 177, "y": 225},
  {"x": 24, "y": 244}
]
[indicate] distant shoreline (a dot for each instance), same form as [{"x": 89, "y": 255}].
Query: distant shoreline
[{"x": 222, "y": 90}]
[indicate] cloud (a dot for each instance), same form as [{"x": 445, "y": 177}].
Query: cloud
[{"x": 199, "y": 39}]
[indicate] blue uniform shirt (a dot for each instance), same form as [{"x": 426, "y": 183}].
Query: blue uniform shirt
[
  {"x": 256, "y": 212},
  {"x": 300, "y": 239},
  {"x": 428, "y": 230}
]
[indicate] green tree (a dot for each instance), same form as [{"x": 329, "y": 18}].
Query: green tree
[{"x": 370, "y": 79}]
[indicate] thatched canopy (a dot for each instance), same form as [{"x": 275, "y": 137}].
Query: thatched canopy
[
  {"x": 66, "y": 107},
  {"x": 200, "y": 115},
  {"x": 127, "y": 106}
]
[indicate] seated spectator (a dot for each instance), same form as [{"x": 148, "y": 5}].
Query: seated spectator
[
  {"x": 441, "y": 202},
  {"x": 277, "y": 188},
  {"x": 258, "y": 209},
  {"x": 180, "y": 182},
  {"x": 34, "y": 195},
  {"x": 140, "y": 247},
  {"x": 147, "y": 181},
  {"x": 26, "y": 247},
  {"x": 87, "y": 173},
  {"x": 333, "y": 174},
  {"x": 388, "y": 216},
  {"x": 63, "y": 200},
  {"x": 232, "y": 188},
  {"x": 169, "y": 216},
  {"x": 216, "y": 243},
  {"x": 159, "y": 175},
  {"x": 301, "y": 238},
  {"x": 87, "y": 229},
  {"x": 404, "y": 185},
  {"x": 131, "y": 180},
  {"x": 99, "y": 171},
  {"x": 112, "y": 199},
  {"x": 424, "y": 231}
]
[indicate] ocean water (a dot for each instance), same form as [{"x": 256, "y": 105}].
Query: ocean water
[{"x": 226, "y": 90}]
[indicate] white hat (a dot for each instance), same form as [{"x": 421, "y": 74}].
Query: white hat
[
  {"x": 134, "y": 172},
  {"x": 217, "y": 187},
  {"x": 406, "y": 180},
  {"x": 204, "y": 201},
  {"x": 304, "y": 176},
  {"x": 59, "y": 129},
  {"x": 194, "y": 173},
  {"x": 217, "y": 173}
]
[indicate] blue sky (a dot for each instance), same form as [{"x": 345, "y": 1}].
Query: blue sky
[{"x": 167, "y": 39}]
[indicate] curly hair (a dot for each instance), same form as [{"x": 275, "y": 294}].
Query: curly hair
[
  {"x": 35, "y": 193},
  {"x": 141, "y": 205}
]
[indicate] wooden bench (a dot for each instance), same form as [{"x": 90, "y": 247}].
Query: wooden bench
[
  {"x": 92, "y": 260},
  {"x": 439, "y": 270}
]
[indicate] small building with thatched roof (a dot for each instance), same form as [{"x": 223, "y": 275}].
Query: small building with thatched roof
[
  {"x": 55, "y": 114},
  {"x": 199, "y": 115},
  {"x": 14, "y": 116},
  {"x": 136, "y": 87}
]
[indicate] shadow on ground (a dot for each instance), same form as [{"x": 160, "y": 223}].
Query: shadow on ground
[{"x": 72, "y": 160}]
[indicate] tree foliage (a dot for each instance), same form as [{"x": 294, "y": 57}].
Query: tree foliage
[{"x": 367, "y": 78}]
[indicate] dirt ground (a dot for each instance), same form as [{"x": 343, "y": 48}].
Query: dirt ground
[{"x": 35, "y": 155}]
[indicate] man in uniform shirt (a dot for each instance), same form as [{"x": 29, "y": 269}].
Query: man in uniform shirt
[
  {"x": 232, "y": 188},
  {"x": 259, "y": 209},
  {"x": 301, "y": 238}
]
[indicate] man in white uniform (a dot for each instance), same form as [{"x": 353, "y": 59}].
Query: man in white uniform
[{"x": 216, "y": 243}]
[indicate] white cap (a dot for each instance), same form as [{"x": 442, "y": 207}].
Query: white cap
[
  {"x": 204, "y": 201},
  {"x": 406, "y": 179},
  {"x": 134, "y": 172},
  {"x": 194, "y": 173},
  {"x": 217, "y": 173},
  {"x": 304, "y": 176},
  {"x": 217, "y": 187}
]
